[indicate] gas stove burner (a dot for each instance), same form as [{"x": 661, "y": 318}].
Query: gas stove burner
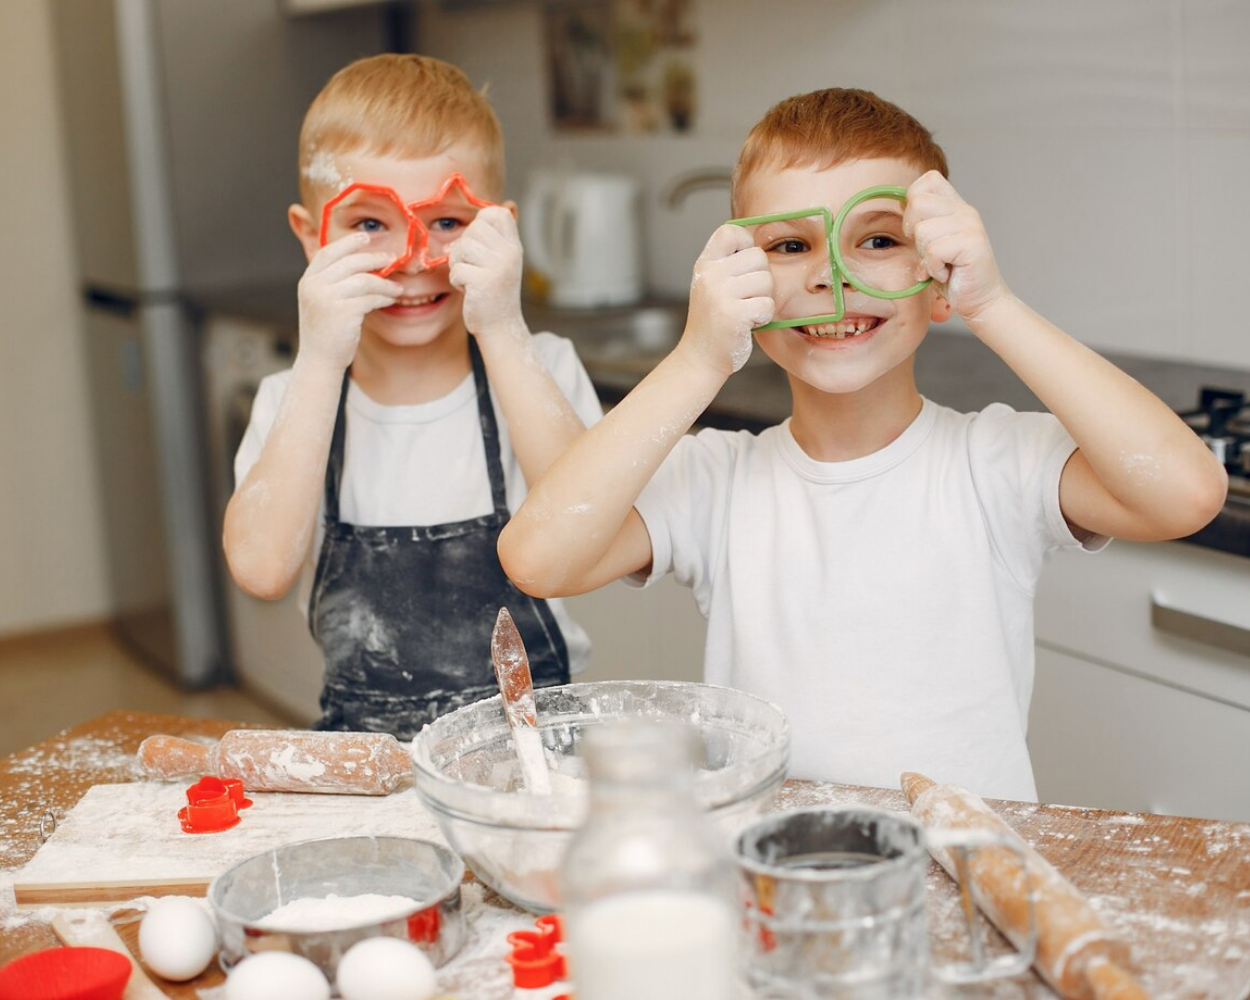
[{"x": 1222, "y": 420}]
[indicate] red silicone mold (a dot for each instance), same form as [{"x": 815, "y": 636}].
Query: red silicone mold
[{"x": 66, "y": 974}]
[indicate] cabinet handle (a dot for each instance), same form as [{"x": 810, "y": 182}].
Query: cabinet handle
[{"x": 1223, "y": 635}]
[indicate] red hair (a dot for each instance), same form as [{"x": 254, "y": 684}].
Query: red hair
[{"x": 828, "y": 127}]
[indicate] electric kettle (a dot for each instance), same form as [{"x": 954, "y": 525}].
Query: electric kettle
[{"x": 580, "y": 232}]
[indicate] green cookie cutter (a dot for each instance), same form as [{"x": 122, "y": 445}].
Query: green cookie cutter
[{"x": 833, "y": 230}]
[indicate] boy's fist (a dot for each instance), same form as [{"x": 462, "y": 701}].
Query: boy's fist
[
  {"x": 731, "y": 294},
  {"x": 953, "y": 244},
  {"x": 337, "y": 291},
  {"x": 485, "y": 263}
]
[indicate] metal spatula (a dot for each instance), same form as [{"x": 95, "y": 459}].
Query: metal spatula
[{"x": 516, "y": 687}]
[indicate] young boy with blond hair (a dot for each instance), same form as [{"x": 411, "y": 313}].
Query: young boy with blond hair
[
  {"x": 869, "y": 564},
  {"x": 419, "y": 405}
]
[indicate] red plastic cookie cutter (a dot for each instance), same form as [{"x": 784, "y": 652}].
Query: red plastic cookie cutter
[
  {"x": 535, "y": 958},
  {"x": 213, "y": 805},
  {"x": 417, "y": 240}
]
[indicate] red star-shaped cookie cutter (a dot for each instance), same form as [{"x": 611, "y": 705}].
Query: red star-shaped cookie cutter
[{"x": 418, "y": 240}]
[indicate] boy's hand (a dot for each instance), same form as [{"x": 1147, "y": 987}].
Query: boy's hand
[
  {"x": 486, "y": 266},
  {"x": 337, "y": 291},
  {"x": 731, "y": 294},
  {"x": 954, "y": 247}
]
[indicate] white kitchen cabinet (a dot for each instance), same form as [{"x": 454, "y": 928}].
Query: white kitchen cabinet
[
  {"x": 272, "y": 653},
  {"x": 1103, "y": 737},
  {"x": 1142, "y": 695}
]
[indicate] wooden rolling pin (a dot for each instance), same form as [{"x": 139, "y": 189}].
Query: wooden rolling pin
[
  {"x": 1077, "y": 954},
  {"x": 285, "y": 760}
]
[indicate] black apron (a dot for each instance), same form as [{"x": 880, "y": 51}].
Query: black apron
[{"x": 404, "y": 615}]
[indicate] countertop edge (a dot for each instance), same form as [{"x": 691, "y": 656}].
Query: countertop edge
[{"x": 952, "y": 368}]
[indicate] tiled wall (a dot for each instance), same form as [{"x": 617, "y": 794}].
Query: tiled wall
[{"x": 1106, "y": 142}]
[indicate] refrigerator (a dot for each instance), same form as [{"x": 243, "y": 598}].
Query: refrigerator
[{"x": 181, "y": 120}]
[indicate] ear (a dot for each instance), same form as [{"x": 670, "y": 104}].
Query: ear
[
  {"x": 305, "y": 229},
  {"x": 942, "y": 310},
  {"x": 510, "y": 206}
]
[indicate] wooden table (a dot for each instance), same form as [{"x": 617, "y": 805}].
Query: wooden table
[{"x": 1178, "y": 889}]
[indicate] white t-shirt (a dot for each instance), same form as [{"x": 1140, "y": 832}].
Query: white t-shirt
[
  {"x": 885, "y": 603},
  {"x": 425, "y": 464}
]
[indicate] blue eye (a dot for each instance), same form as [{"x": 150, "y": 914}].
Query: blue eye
[
  {"x": 445, "y": 225},
  {"x": 371, "y": 226}
]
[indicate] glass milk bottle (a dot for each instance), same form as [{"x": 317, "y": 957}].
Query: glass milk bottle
[{"x": 649, "y": 886}]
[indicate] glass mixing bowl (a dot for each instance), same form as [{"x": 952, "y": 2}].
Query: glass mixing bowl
[{"x": 467, "y": 773}]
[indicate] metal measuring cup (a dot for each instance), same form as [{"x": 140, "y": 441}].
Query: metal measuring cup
[{"x": 835, "y": 906}]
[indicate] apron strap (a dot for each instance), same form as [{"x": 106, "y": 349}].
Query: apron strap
[
  {"x": 490, "y": 431},
  {"x": 334, "y": 468},
  {"x": 486, "y": 421}
]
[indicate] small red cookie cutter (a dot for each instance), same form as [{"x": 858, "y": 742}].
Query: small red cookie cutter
[
  {"x": 535, "y": 958},
  {"x": 213, "y": 805},
  {"x": 423, "y": 925}
]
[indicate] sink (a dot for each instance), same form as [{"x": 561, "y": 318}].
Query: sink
[
  {"x": 621, "y": 345},
  {"x": 633, "y": 342},
  {"x": 625, "y": 341}
]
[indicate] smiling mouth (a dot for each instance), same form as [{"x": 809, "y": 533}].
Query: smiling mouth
[
  {"x": 415, "y": 301},
  {"x": 842, "y": 330}
]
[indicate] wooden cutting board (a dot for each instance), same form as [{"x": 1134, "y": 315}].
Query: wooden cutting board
[{"x": 125, "y": 841}]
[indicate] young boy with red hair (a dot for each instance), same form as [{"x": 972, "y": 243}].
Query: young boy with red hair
[{"x": 869, "y": 564}]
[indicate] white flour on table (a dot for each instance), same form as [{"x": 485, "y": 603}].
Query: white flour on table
[
  {"x": 100, "y": 837},
  {"x": 132, "y": 832}
]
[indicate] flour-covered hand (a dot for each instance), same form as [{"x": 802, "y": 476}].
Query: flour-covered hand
[
  {"x": 486, "y": 266},
  {"x": 337, "y": 291},
  {"x": 954, "y": 246},
  {"x": 731, "y": 294}
]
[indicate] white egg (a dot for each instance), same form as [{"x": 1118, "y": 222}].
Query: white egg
[
  {"x": 177, "y": 938},
  {"x": 276, "y": 975},
  {"x": 385, "y": 968}
]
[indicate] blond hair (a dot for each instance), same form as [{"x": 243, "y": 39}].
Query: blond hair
[
  {"x": 828, "y": 127},
  {"x": 396, "y": 105}
]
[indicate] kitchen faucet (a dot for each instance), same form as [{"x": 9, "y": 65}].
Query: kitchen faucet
[{"x": 706, "y": 177}]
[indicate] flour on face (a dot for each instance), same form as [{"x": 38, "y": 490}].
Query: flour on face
[{"x": 322, "y": 168}]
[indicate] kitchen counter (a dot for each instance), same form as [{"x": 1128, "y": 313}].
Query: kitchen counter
[
  {"x": 1174, "y": 887},
  {"x": 952, "y": 368}
]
